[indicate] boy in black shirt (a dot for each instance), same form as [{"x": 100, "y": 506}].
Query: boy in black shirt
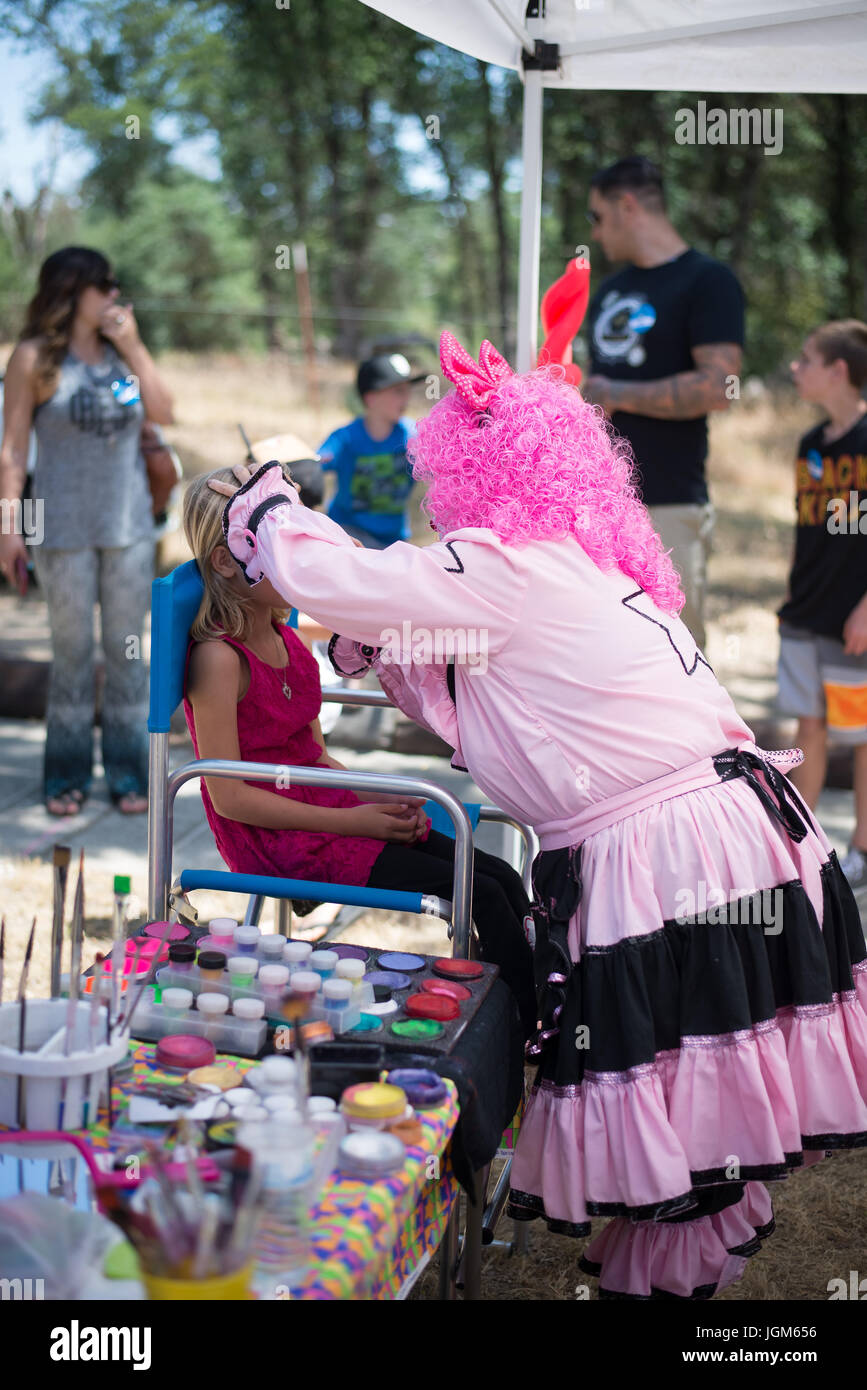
[
  {"x": 823, "y": 622},
  {"x": 665, "y": 337}
]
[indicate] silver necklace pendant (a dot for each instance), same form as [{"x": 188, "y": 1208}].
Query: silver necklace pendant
[{"x": 286, "y": 691}]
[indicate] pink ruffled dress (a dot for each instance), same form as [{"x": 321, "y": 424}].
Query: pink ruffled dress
[
  {"x": 274, "y": 728},
  {"x": 700, "y": 961}
]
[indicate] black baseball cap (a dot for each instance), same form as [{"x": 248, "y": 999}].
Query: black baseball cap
[{"x": 391, "y": 369}]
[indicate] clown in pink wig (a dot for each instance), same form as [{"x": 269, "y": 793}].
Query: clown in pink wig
[
  {"x": 700, "y": 966},
  {"x": 541, "y": 465}
]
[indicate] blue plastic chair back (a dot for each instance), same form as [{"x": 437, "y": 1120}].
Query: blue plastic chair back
[
  {"x": 441, "y": 821},
  {"x": 174, "y": 604}
]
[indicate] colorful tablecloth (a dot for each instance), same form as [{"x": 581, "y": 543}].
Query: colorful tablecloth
[{"x": 367, "y": 1238}]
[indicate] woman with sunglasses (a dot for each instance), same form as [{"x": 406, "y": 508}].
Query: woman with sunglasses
[{"x": 82, "y": 379}]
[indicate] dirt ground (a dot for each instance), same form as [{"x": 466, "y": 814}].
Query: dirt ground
[{"x": 821, "y": 1214}]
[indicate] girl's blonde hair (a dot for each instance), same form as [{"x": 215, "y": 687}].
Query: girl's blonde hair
[{"x": 223, "y": 612}]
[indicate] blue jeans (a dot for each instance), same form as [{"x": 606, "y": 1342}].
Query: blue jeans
[{"x": 73, "y": 582}]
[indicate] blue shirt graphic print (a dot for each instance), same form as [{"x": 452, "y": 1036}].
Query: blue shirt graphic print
[{"x": 374, "y": 479}]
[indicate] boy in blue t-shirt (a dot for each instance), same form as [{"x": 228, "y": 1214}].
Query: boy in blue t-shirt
[{"x": 374, "y": 478}]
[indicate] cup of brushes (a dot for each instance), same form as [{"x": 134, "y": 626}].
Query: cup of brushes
[{"x": 56, "y": 1055}]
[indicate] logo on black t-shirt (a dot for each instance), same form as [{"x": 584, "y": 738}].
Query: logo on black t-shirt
[
  {"x": 815, "y": 466},
  {"x": 621, "y": 321}
]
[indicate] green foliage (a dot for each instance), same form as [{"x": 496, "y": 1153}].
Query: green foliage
[
  {"x": 395, "y": 160},
  {"x": 184, "y": 261}
]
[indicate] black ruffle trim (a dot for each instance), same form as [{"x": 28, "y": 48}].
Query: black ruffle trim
[
  {"x": 524, "y": 1206},
  {"x": 752, "y": 1247},
  {"x": 835, "y": 1141},
  {"x": 699, "y": 1295},
  {"x": 655, "y": 1211},
  {"x": 691, "y": 978},
  {"x": 759, "y": 1172}
]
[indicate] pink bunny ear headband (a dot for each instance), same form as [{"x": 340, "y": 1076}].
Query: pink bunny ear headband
[{"x": 478, "y": 381}]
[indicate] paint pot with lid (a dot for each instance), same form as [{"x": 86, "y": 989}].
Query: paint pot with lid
[
  {"x": 249, "y": 1008},
  {"x": 242, "y": 971},
  {"x": 182, "y": 957},
  {"x": 184, "y": 1052},
  {"x": 374, "y": 1105},
  {"x": 368, "y": 1156},
  {"x": 220, "y": 936},
  {"x": 211, "y": 966},
  {"x": 271, "y": 947},
  {"x": 324, "y": 963},
  {"x": 273, "y": 980},
  {"x": 246, "y": 940},
  {"x": 296, "y": 954},
  {"x": 424, "y": 1089},
  {"x": 176, "y": 1002},
  {"x": 213, "y": 1007}
]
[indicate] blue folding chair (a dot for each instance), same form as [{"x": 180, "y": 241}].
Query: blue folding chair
[{"x": 175, "y": 603}]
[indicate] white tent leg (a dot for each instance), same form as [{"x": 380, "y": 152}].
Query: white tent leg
[{"x": 531, "y": 221}]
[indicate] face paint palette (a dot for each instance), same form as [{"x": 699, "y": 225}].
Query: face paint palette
[
  {"x": 349, "y": 952},
  {"x": 401, "y": 960},
  {"x": 425, "y": 1011},
  {"x": 390, "y": 979},
  {"x": 450, "y": 987}
]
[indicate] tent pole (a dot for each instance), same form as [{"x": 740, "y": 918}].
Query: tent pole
[{"x": 531, "y": 221}]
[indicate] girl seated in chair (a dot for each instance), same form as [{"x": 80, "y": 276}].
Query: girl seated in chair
[{"x": 253, "y": 693}]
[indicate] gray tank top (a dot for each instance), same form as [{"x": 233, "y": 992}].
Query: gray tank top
[{"x": 90, "y": 472}]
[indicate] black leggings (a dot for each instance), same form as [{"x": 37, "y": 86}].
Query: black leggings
[{"x": 499, "y": 905}]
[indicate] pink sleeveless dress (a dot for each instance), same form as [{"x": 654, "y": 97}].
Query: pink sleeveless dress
[{"x": 274, "y": 728}]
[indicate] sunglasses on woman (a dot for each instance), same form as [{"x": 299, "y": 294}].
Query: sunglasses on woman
[{"x": 106, "y": 284}]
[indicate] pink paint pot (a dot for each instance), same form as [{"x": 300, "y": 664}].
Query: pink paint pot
[
  {"x": 177, "y": 933},
  {"x": 142, "y": 965},
  {"x": 146, "y": 947}
]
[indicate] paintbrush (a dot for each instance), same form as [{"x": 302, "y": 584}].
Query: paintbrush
[
  {"x": 95, "y": 997},
  {"x": 75, "y": 957},
  {"x": 206, "y": 1236},
  {"x": 118, "y": 934},
  {"x": 2, "y": 954},
  {"x": 177, "y": 1238},
  {"x": 62, "y": 855},
  {"x": 187, "y": 1136},
  {"x": 22, "y": 1017}
]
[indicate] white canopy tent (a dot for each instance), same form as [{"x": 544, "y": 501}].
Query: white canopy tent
[{"x": 640, "y": 45}]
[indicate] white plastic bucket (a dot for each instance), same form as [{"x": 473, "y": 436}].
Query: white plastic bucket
[{"x": 59, "y": 1092}]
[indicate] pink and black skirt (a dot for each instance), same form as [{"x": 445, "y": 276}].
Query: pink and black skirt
[{"x": 702, "y": 976}]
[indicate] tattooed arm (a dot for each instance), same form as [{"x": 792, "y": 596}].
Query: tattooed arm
[{"x": 685, "y": 396}]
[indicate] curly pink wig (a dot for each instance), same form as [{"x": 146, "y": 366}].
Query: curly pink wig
[{"x": 542, "y": 465}]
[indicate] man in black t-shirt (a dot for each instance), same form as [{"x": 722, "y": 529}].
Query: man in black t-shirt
[
  {"x": 823, "y": 622},
  {"x": 665, "y": 336}
]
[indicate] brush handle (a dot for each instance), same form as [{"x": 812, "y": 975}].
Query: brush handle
[
  {"x": 72, "y": 1006},
  {"x": 22, "y": 1033},
  {"x": 56, "y": 935},
  {"x": 118, "y": 934}
]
